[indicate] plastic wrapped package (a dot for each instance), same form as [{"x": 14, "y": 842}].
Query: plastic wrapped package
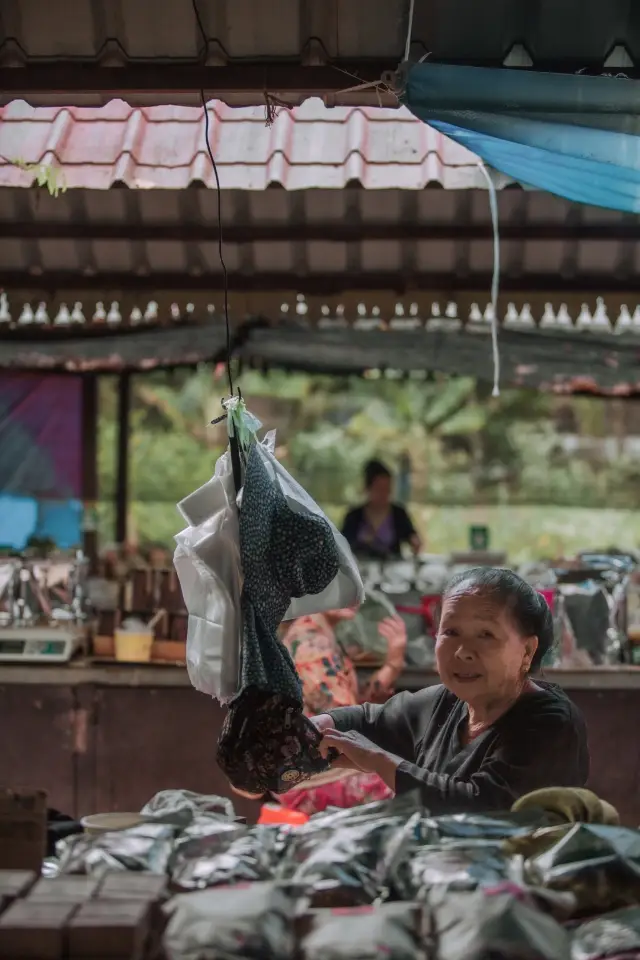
[
  {"x": 222, "y": 858},
  {"x": 612, "y": 935},
  {"x": 253, "y": 921},
  {"x": 360, "y": 638},
  {"x": 202, "y": 840},
  {"x": 409, "y": 604},
  {"x": 390, "y": 931},
  {"x": 146, "y": 847},
  {"x": 598, "y": 864},
  {"x": 587, "y": 607},
  {"x": 501, "y": 926},
  {"x": 337, "y": 860},
  {"x": 183, "y": 806},
  {"x": 477, "y": 826},
  {"x": 456, "y": 866}
]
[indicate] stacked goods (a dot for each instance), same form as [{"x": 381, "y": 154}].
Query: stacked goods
[
  {"x": 384, "y": 880},
  {"x": 113, "y": 917},
  {"x": 23, "y": 829}
]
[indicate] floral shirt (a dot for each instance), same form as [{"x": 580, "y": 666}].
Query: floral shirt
[
  {"x": 328, "y": 677},
  {"x": 328, "y": 680}
]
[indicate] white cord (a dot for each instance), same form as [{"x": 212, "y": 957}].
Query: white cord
[
  {"x": 407, "y": 46},
  {"x": 495, "y": 280}
]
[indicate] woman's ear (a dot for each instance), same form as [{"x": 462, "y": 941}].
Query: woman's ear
[{"x": 530, "y": 646}]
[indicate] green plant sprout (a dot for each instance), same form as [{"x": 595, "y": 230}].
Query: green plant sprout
[{"x": 45, "y": 175}]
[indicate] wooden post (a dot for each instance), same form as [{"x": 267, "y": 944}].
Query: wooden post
[
  {"x": 122, "y": 461},
  {"x": 90, "y": 467}
]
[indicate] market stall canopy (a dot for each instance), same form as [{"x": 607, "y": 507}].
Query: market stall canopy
[
  {"x": 551, "y": 360},
  {"x": 584, "y": 353},
  {"x": 575, "y": 136},
  {"x": 112, "y": 351},
  {"x": 86, "y": 52}
]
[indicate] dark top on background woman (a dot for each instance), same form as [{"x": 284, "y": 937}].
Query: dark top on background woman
[
  {"x": 490, "y": 733},
  {"x": 379, "y": 528}
]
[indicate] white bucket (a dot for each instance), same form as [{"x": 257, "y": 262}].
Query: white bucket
[{"x": 99, "y": 823}]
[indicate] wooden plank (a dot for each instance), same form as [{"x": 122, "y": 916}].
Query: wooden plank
[
  {"x": 323, "y": 284},
  {"x": 332, "y": 231},
  {"x": 149, "y": 740},
  {"x": 38, "y": 740},
  {"x": 613, "y": 719}
]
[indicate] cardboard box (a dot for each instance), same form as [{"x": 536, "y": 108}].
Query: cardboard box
[{"x": 23, "y": 829}]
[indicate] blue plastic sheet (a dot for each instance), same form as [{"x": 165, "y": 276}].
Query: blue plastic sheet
[{"x": 573, "y": 135}]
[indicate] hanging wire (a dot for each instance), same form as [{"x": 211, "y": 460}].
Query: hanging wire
[
  {"x": 495, "y": 279},
  {"x": 407, "y": 46},
  {"x": 225, "y": 276}
]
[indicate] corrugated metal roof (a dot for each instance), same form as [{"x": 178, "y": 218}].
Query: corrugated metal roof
[
  {"x": 124, "y": 244},
  {"x": 82, "y": 51},
  {"x": 237, "y": 30},
  {"x": 308, "y": 147}
]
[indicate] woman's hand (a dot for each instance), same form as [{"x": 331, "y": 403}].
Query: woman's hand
[
  {"x": 323, "y": 722},
  {"x": 394, "y": 631},
  {"x": 381, "y": 684},
  {"x": 358, "y": 753}
]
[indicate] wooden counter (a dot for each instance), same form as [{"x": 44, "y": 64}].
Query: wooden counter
[
  {"x": 123, "y": 675},
  {"x": 108, "y": 737}
]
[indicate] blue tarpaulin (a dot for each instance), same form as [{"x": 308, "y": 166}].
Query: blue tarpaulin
[{"x": 573, "y": 135}]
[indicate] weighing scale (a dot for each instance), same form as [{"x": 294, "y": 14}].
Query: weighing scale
[{"x": 38, "y": 644}]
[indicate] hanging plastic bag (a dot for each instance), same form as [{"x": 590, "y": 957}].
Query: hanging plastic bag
[
  {"x": 207, "y": 561},
  {"x": 346, "y": 590}
]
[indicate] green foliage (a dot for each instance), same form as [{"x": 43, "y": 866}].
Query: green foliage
[
  {"x": 465, "y": 447},
  {"x": 45, "y": 175}
]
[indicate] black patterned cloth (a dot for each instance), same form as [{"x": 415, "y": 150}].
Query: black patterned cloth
[{"x": 266, "y": 743}]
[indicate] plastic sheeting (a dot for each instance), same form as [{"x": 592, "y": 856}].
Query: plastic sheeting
[
  {"x": 573, "y": 135},
  {"x": 41, "y": 436},
  {"x": 40, "y": 459}
]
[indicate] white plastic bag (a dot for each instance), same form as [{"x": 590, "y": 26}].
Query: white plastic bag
[
  {"x": 346, "y": 589},
  {"x": 207, "y": 561}
]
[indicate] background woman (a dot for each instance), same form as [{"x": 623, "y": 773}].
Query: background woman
[
  {"x": 379, "y": 528},
  {"x": 490, "y": 733},
  {"x": 329, "y": 680}
]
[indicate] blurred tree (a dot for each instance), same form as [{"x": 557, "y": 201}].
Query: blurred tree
[{"x": 465, "y": 447}]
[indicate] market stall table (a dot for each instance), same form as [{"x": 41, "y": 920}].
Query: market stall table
[{"x": 106, "y": 738}]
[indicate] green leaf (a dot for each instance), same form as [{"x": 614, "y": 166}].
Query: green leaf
[
  {"x": 470, "y": 419},
  {"x": 451, "y": 395}
]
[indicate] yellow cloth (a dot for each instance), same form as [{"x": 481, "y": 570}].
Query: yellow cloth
[{"x": 571, "y": 804}]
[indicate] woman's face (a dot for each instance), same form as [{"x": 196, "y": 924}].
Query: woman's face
[
  {"x": 379, "y": 492},
  {"x": 480, "y": 653}
]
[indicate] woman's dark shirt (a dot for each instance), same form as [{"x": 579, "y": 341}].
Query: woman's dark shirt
[
  {"x": 387, "y": 541},
  {"x": 541, "y": 741}
]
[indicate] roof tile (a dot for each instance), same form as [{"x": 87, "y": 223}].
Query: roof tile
[{"x": 311, "y": 146}]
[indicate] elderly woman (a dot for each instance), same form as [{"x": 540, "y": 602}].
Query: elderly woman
[{"x": 490, "y": 733}]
